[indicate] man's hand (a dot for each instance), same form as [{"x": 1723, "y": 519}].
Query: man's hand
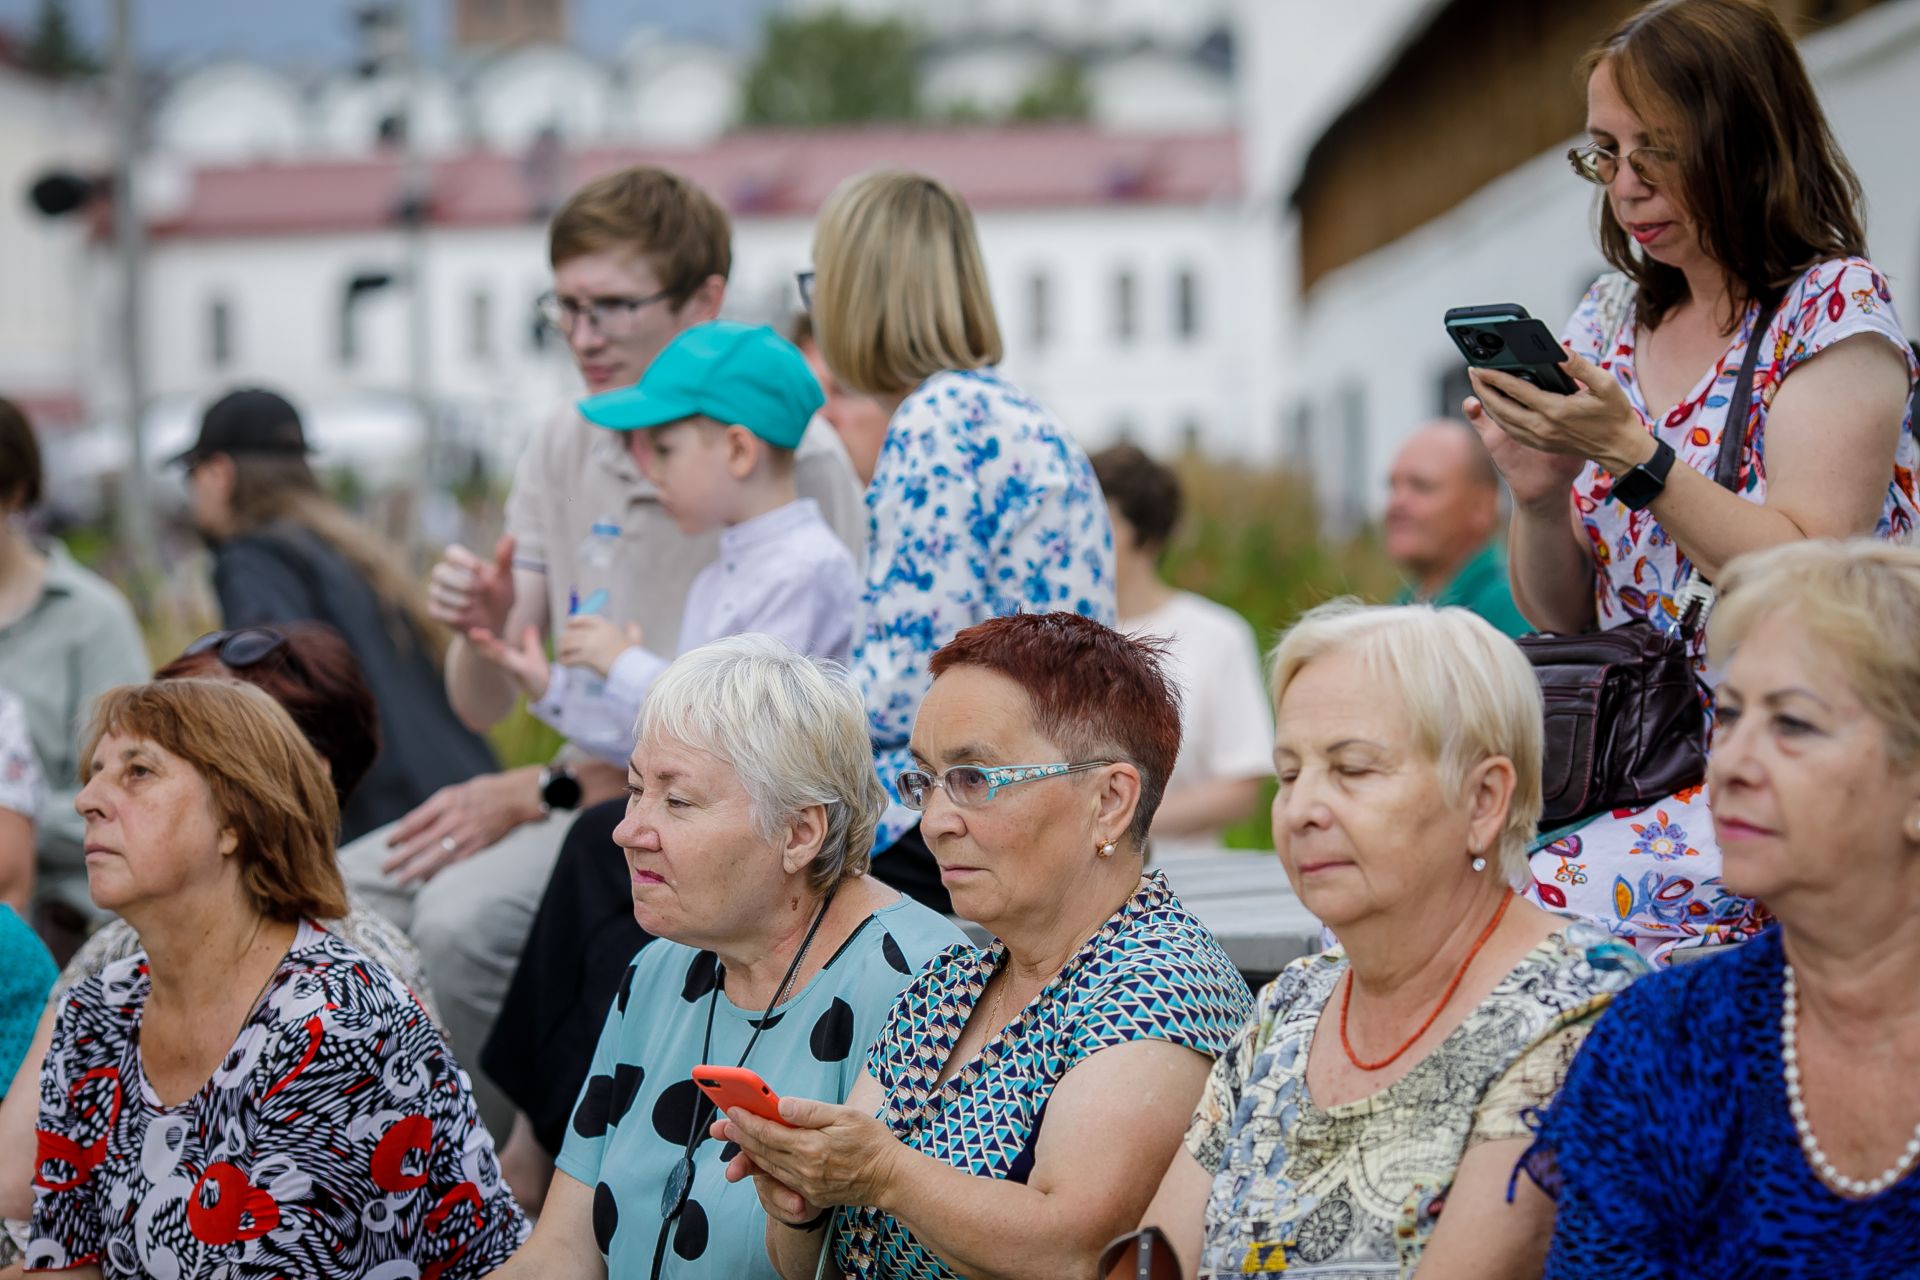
[
  {"x": 468, "y": 593},
  {"x": 459, "y": 821},
  {"x": 526, "y": 664},
  {"x": 591, "y": 641}
]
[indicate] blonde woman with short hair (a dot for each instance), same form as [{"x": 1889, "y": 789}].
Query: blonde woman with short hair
[
  {"x": 1390, "y": 1076},
  {"x": 1755, "y": 1114},
  {"x": 981, "y": 503}
]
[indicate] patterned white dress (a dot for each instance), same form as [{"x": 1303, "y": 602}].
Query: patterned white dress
[{"x": 1652, "y": 875}]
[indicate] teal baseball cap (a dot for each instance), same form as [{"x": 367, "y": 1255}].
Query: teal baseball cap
[{"x": 732, "y": 373}]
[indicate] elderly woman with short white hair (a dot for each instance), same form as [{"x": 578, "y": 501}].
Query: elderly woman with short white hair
[
  {"x": 1408, "y": 747},
  {"x": 751, "y": 811}
]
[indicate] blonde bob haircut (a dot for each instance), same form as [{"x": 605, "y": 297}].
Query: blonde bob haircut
[
  {"x": 794, "y": 731},
  {"x": 900, "y": 289},
  {"x": 270, "y": 787},
  {"x": 1857, "y": 601},
  {"x": 1470, "y": 693}
]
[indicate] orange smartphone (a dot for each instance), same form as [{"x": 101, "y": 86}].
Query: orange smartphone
[{"x": 731, "y": 1087}]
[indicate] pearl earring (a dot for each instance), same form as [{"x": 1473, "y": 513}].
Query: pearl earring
[
  {"x": 1479, "y": 863},
  {"x": 1106, "y": 849}
]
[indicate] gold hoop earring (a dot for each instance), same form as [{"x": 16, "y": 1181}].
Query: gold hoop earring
[{"x": 1106, "y": 848}]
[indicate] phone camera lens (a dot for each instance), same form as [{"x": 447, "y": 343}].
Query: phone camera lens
[{"x": 1483, "y": 343}]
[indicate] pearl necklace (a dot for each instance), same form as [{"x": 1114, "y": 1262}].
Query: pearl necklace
[{"x": 1823, "y": 1167}]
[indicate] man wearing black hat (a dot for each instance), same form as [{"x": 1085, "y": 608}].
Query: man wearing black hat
[{"x": 284, "y": 552}]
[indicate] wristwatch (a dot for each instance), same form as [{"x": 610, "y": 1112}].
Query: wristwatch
[
  {"x": 559, "y": 789},
  {"x": 1644, "y": 483}
]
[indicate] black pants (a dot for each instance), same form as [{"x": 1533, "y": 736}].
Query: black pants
[{"x": 583, "y": 939}]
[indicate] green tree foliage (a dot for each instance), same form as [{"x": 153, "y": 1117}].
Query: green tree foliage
[
  {"x": 1059, "y": 93},
  {"x": 53, "y": 50},
  {"x": 833, "y": 68}
]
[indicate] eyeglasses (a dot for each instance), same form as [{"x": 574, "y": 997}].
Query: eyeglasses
[
  {"x": 243, "y": 648},
  {"x": 972, "y": 785},
  {"x": 804, "y": 279},
  {"x": 1599, "y": 165},
  {"x": 610, "y": 317}
]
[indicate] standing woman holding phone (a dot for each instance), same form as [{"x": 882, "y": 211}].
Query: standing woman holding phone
[{"x": 1731, "y": 218}]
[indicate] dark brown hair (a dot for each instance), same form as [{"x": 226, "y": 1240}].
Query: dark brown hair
[
  {"x": 680, "y": 230},
  {"x": 20, "y": 476},
  {"x": 317, "y": 679},
  {"x": 1760, "y": 176},
  {"x": 1147, "y": 492},
  {"x": 269, "y": 787},
  {"x": 1094, "y": 692}
]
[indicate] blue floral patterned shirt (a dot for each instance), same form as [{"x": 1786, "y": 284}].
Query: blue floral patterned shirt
[{"x": 981, "y": 505}]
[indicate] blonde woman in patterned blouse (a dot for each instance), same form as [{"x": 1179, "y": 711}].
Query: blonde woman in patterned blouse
[{"x": 1386, "y": 1079}]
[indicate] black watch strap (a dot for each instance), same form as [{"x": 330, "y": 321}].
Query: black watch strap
[
  {"x": 559, "y": 789},
  {"x": 1640, "y": 486}
]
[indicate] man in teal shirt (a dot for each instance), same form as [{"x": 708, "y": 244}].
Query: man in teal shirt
[{"x": 1443, "y": 511}]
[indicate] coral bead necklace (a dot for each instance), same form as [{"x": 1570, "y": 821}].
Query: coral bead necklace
[{"x": 1347, "y": 999}]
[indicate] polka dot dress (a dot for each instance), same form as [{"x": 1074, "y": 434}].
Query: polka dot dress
[{"x": 639, "y": 1103}]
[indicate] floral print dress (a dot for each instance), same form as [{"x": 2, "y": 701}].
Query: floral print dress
[
  {"x": 981, "y": 505},
  {"x": 1652, "y": 875}
]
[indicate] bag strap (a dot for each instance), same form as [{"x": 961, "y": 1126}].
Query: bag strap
[{"x": 1733, "y": 435}]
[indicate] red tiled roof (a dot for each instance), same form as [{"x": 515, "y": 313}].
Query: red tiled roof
[{"x": 763, "y": 172}]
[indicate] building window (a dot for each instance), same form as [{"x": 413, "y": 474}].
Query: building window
[
  {"x": 480, "y": 325},
  {"x": 219, "y": 333},
  {"x": 1186, "y": 304},
  {"x": 1354, "y": 477},
  {"x": 1125, "y": 322},
  {"x": 1299, "y": 440},
  {"x": 1454, "y": 388},
  {"x": 346, "y": 343},
  {"x": 1039, "y": 310}
]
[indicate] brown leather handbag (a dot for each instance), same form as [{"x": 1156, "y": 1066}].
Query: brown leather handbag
[{"x": 1625, "y": 724}]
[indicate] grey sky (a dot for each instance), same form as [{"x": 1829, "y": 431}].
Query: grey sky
[{"x": 317, "y": 34}]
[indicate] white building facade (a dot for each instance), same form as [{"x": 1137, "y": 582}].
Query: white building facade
[{"x": 1115, "y": 266}]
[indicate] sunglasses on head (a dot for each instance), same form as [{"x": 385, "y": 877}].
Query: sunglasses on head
[{"x": 241, "y": 648}]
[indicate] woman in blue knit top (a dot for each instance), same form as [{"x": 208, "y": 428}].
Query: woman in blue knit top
[{"x": 1757, "y": 1114}]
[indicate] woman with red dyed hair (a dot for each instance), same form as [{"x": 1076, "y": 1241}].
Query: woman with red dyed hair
[{"x": 1028, "y": 1092}]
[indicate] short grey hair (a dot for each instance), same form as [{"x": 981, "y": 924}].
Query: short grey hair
[
  {"x": 795, "y": 732},
  {"x": 1469, "y": 692}
]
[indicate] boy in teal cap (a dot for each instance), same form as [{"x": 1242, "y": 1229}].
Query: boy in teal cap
[{"x": 713, "y": 424}]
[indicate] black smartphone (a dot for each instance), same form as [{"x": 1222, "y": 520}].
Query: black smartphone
[{"x": 1503, "y": 336}]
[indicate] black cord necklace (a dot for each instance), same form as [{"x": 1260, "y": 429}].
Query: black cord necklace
[{"x": 679, "y": 1188}]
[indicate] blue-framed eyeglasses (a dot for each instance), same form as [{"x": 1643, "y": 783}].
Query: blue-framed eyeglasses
[{"x": 972, "y": 785}]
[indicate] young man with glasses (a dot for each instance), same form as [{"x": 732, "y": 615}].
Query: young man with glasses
[{"x": 638, "y": 256}]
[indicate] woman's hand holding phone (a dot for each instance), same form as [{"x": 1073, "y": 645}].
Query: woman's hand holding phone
[
  {"x": 1534, "y": 476},
  {"x": 1596, "y": 423}
]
